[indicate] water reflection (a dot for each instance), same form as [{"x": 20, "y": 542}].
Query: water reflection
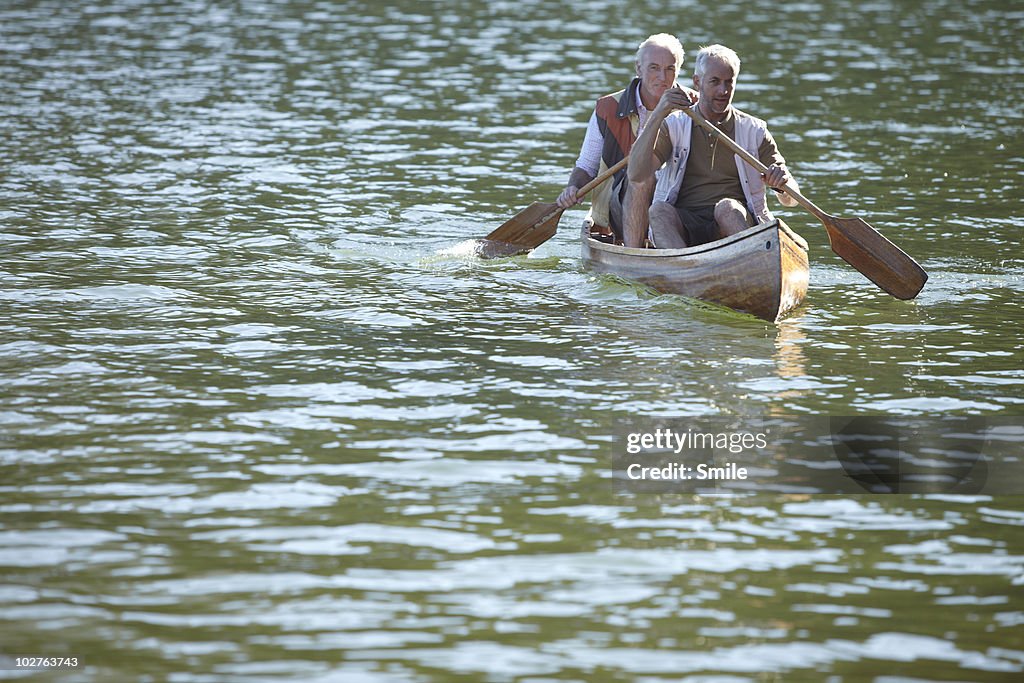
[{"x": 789, "y": 358}]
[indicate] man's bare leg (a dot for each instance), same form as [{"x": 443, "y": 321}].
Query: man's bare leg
[
  {"x": 666, "y": 226},
  {"x": 732, "y": 217}
]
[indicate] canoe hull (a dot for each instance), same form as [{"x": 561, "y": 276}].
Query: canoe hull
[{"x": 762, "y": 271}]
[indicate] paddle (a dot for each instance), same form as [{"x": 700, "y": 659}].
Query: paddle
[
  {"x": 853, "y": 239},
  {"x": 534, "y": 225}
]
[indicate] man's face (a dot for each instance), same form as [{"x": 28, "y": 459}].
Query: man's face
[
  {"x": 657, "y": 72},
  {"x": 717, "y": 87}
]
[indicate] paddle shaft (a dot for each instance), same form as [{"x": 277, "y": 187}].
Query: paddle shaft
[
  {"x": 803, "y": 201},
  {"x": 583, "y": 191},
  {"x": 535, "y": 224},
  {"x": 853, "y": 239},
  {"x": 603, "y": 177}
]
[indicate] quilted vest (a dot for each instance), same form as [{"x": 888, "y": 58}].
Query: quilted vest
[{"x": 618, "y": 121}]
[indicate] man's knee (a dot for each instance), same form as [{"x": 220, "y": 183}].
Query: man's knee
[
  {"x": 663, "y": 212},
  {"x": 666, "y": 228},
  {"x": 727, "y": 208},
  {"x": 731, "y": 217}
]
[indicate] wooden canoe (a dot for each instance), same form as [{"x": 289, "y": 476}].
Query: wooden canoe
[{"x": 762, "y": 270}]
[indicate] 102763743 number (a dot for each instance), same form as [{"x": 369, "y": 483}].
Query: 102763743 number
[{"x": 45, "y": 662}]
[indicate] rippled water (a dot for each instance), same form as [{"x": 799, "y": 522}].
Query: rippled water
[{"x": 254, "y": 424}]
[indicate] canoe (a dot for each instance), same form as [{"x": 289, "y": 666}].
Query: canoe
[{"x": 761, "y": 271}]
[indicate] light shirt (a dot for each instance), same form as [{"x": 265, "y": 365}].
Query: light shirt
[
  {"x": 712, "y": 171},
  {"x": 593, "y": 142}
]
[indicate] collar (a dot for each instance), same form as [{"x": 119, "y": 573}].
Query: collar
[
  {"x": 630, "y": 99},
  {"x": 728, "y": 121},
  {"x": 640, "y": 108}
]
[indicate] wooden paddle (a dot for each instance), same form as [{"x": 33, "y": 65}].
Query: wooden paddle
[
  {"x": 534, "y": 225},
  {"x": 853, "y": 239}
]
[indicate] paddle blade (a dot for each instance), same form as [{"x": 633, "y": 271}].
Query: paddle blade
[
  {"x": 876, "y": 257},
  {"x": 482, "y": 248},
  {"x": 530, "y": 228},
  {"x": 486, "y": 248}
]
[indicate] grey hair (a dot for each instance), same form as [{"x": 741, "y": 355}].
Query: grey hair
[
  {"x": 719, "y": 52},
  {"x": 665, "y": 40}
]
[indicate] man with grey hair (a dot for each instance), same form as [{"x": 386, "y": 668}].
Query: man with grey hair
[
  {"x": 614, "y": 125},
  {"x": 702, "y": 193}
]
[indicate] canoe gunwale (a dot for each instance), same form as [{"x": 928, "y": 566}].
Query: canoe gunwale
[
  {"x": 700, "y": 248},
  {"x": 736, "y": 272}
]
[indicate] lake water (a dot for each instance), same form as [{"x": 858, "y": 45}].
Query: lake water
[{"x": 255, "y": 425}]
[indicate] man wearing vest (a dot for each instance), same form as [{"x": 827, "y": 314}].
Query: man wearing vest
[
  {"x": 617, "y": 120},
  {"x": 702, "y": 193}
]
